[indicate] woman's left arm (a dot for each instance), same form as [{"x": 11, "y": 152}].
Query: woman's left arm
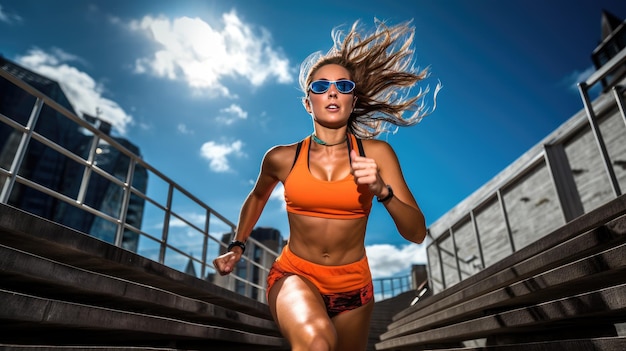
[{"x": 381, "y": 168}]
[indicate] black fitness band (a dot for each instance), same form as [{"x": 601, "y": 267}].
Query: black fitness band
[
  {"x": 386, "y": 198},
  {"x": 238, "y": 243}
]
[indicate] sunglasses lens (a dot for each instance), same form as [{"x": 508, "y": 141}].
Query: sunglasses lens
[
  {"x": 344, "y": 86},
  {"x": 320, "y": 86}
]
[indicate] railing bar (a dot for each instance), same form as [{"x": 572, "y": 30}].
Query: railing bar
[
  {"x": 147, "y": 198},
  {"x": 63, "y": 151},
  {"x": 477, "y": 237},
  {"x": 119, "y": 236},
  {"x": 205, "y": 242},
  {"x": 456, "y": 253},
  {"x": 140, "y": 232},
  {"x": 505, "y": 216},
  {"x": 166, "y": 222},
  {"x": 443, "y": 275},
  {"x": 20, "y": 153},
  {"x": 65, "y": 199},
  {"x": 13, "y": 124},
  {"x": 182, "y": 219},
  {"x": 616, "y": 61},
  {"x": 591, "y": 117},
  {"x": 82, "y": 192},
  {"x": 429, "y": 271}
]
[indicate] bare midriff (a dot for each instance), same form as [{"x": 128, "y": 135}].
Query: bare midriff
[{"x": 327, "y": 241}]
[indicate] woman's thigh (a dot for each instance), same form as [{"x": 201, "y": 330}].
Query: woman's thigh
[
  {"x": 300, "y": 312},
  {"x": 353, "y": 327}
]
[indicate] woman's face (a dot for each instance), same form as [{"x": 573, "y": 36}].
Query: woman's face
[{"x": 330, "y": 108}]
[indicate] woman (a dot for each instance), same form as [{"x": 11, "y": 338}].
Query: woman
[{"x": 320, "y": 288}]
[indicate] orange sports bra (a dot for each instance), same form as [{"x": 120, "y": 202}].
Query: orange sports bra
[{"x": 310, "y": 196}]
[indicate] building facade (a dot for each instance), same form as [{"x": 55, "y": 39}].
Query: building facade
[{"x": 575, "y": 169}]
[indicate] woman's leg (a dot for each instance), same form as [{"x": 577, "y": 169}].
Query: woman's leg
[
  {"x": 353, "y": 327},
  {"x": 301, "y": 315}
]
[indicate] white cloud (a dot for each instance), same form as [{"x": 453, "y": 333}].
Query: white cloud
[
  {"x": 572, "y": 80},
  {"x": 218, "y": 154},
  {"x": 83, "y": 92},
  {"x": 278, "y": 194},
  {"x": 231, "y": 114},
  {"x": 9, "y": 17},
  {"x": 387, "y": 260},
  {"x": 578, "y": 76},
  {"x": 203, "y": 55},
  {"x": 182, "y": 128}
]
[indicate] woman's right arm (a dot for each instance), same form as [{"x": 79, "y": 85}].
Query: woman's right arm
[{"x": 252, "y": 207}]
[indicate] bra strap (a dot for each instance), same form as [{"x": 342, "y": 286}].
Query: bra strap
[
  {"x": 359, "y": 143},
  {"x": 298, "y": 147}
]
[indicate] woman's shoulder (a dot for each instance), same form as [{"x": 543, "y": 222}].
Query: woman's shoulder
[
  {"x": 281, "y": 150},
  {"x": 375, "y": 147},
  {"x": 282, "y": 153},
  {"x": 279, "y": 159}
]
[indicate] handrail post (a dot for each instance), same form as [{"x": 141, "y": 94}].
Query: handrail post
[
  {"x": 591, "y": 117},
  {"x": 119, "y": 235},
  {"x": 91, "y": 157},
  {"x": 506, "y": 220},
  {"x": 21, "y": 151},
  {"x": 166, "y": 224}
]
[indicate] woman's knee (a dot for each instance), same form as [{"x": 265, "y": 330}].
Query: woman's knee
[
  {"x": 320, "y": 344},
  {"x": 316, "y": 336}
]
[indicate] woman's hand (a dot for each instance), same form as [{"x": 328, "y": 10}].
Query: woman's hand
[
  {"x": 225, "y": 263},
  {"x": 402, "y": 207},
  {"x": 365, "y": 171}
]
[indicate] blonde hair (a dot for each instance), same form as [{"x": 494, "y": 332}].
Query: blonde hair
[{"x": 381, "y": 65}]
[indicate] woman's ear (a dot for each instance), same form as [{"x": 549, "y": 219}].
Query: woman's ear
[{"x": 307, "y": 104}]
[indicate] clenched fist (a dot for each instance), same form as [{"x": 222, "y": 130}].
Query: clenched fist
[{"x": 225, "y": 263}]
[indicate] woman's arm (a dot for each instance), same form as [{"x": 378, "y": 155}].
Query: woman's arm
[
  {"x": 252, "y": 208},
  {"x": 381, "y": 168}
]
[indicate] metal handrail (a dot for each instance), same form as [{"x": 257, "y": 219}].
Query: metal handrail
[
  {"x": 385, "y": 288},
  {"x": 9, "y": 177}
]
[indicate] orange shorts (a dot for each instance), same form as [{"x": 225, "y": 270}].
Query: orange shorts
[{"x": 343, "y": 288}]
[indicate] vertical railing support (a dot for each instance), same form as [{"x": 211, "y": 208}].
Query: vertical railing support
[
  {"x": 591, "y": 117},
  {"x": 21, "y": 151},
  {"x": 128, "y": 184}
]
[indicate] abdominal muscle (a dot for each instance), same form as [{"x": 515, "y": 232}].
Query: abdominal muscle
[{"x": 325, "y": 241}]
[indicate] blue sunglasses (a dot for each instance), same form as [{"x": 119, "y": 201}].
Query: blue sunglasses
[{"x": 343, "y": 86}]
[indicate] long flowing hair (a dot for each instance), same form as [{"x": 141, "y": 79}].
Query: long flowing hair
[{"x": 381, "y": 64}]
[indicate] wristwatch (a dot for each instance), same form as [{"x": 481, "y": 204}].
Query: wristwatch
[
  {"x": 388, "y": 197},
  {"x": 234, "y": 243}
]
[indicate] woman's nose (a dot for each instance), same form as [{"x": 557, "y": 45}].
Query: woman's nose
[{"x": 332, "y": 90}]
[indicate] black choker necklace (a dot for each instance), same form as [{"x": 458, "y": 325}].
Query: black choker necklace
[{"x": 322, "y": 142}]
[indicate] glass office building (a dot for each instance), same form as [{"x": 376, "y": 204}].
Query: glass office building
[{"x": 45, "y": 166}]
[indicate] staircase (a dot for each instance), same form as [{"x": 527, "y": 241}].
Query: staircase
[{"x": 64, "y": 290}]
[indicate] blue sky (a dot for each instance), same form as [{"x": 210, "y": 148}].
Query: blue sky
[{"x": 204, "y": 88}]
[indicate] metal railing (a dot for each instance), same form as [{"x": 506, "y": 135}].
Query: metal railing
[
  {"x": 579, "y": 167},
  {"x": 385, "y": 288},
  {"x": 172, "y": 223}
]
